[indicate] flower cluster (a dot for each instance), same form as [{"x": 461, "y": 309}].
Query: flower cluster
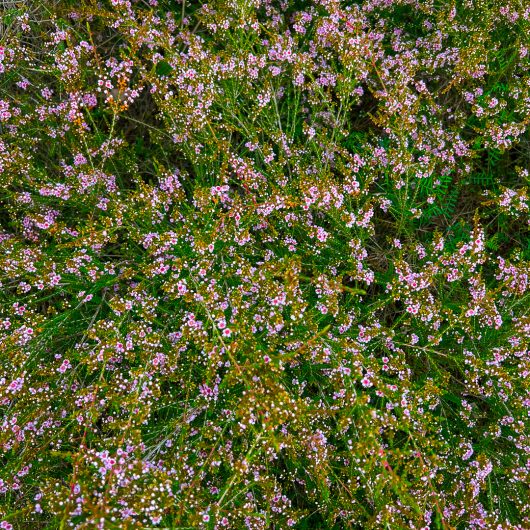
[{"x": 265, "y": 264}]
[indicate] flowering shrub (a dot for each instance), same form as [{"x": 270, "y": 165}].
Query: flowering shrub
[{"x": 265, "y": 264}]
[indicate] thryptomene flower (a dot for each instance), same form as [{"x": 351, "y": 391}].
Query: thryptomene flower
[{"x": 263, "y": 262}]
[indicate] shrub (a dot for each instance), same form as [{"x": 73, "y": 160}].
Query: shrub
[{"x": 264, "y": 264}]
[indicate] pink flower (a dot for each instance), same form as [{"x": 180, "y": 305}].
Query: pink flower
[{"x": 366, "y": 382}]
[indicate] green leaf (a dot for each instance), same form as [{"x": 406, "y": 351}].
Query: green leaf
[{"x": 163, "y": 68}]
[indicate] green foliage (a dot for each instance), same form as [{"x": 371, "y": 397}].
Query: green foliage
[{"x": 264, "y": 265}]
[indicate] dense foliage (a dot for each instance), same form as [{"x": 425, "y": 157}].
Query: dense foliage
[{"x": 265, "y": 264}]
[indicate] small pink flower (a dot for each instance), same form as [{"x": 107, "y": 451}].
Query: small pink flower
[{"x": 366, "y": 382}]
